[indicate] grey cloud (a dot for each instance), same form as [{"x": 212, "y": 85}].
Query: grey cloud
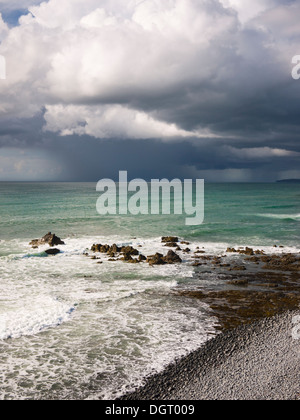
[{"x": 193, "y": 92}]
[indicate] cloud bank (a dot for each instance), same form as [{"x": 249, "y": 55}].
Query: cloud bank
[{"x": 214, "y": 74}]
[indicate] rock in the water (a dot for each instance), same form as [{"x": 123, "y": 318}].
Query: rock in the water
[
  {"x": 50, "y": 239},
  {"x": 129, "y": 250},
  {"x": 169, "y": 239},
  {"x": 52, "y": 251},
  {"x": 159, "y": 259},
  {"x": 171, "y": 244},
  {"x": 172, "y": 258}
]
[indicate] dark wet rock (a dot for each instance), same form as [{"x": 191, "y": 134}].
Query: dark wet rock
[
  {"x": 197, "y": 264},
  {"x": 239, "y": 282},
  {"x": 171, "y": 244},
  {"x": 129, "y": 250},
  {"x": 247, "y": 251},
  {"x": 98, "y": 248},
  {"x": 157, "y": 259},
  {"x": 284, "y": 262},
  {"x": 238, "y": 268},
  {"x": 172, "y": 258},
  {"x": 115, "y": 249},
  {"x": 169, "y": 239},
  {"x": 259, "y": 252},
  {"x": 126, "y": 257},
  {"x": 133, "y": 261},
  {"x": 142, "y": 258},
  {"x": 231, "y": 250},
  {"x": 50, "y": 239},
  {"x": 52, "y": 251}
]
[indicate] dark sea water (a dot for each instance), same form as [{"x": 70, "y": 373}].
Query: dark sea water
[{"x": 72, "y": 328}]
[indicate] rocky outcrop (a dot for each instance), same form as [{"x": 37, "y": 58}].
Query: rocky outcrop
[
  {"x": 125, "y": 252},
  {"x": 169, "y": 239},
  {"x": 246, "y": 251},
  {"x": 159, "y": 259},
  {"x": 50, "y": 239},
  {"x": 171, "y": 244},
  {"x": 284, "y": 262},
  {"x": 172, "y": 258}
]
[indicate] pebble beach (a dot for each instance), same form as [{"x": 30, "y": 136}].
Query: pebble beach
[{"x": 252, "y": 362}]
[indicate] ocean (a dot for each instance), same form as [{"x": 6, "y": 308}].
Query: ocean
[{"x": 71, "y": 328}]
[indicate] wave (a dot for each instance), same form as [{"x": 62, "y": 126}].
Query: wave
[
  {"x": 33, "y": 317},
  {"x": 294, "y": 217}
]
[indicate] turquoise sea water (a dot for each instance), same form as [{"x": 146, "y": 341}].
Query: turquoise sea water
[
  {"x": 72, "y": 328},
  {"x": 254, "y": 213}
]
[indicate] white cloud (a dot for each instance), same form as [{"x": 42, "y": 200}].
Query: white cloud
[
  {"x": 249, "y": 9},
  {"x": 139, "y": 69},
  {"x": 112, "y": 121}
]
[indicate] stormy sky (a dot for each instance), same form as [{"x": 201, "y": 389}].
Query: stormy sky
[{"x": 160, "y": 88}]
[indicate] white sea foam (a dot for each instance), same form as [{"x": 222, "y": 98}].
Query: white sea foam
[
  {"x": 295, "y": 217},
  {"x": 32, "y": 316},
  {"x": 127, "y": 322}
]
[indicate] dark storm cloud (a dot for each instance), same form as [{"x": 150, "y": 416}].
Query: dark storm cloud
[{"x": 162, "y": 89}]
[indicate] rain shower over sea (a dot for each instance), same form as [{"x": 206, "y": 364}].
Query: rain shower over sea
[{"x": 73, "y": 327}]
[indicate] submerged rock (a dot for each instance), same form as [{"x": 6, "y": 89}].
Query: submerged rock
[
  {"x": 52, "y": 251},
  {"x": 50, "y": 239}
]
